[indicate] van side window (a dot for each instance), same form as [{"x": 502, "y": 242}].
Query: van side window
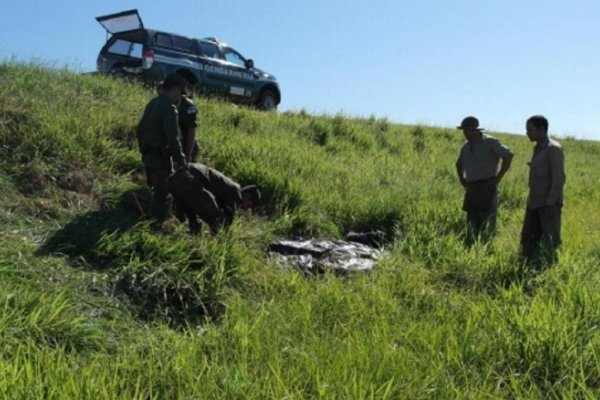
[
  {"x": 163, "y": 40},
  {"x": 182, "y": 43},
  {"x": 126, "y": 48},
  {"x": 210, "y": 50}
]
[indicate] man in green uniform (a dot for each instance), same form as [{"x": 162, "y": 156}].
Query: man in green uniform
[
  {"x": 478, "y": 172},
  {"x": 158, "y": 138},
  {"x": 187, "y": 124},
  {"x": 204, "y": 192},
  {"x": 540, "y": 235},
  {"x": 188, "y": 113}
]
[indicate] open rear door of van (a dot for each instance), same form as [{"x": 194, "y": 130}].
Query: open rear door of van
[{"x": 124, "y": 21}]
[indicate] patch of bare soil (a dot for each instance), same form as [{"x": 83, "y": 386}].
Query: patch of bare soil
[
  {"x": 80, "y": 181},
  {"x": 34, "y": 182}
]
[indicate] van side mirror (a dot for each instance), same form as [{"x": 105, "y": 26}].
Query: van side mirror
[{"x": 249, "y": 64}]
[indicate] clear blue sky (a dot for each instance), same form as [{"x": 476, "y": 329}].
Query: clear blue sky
[{"x": 420, "y": 61}]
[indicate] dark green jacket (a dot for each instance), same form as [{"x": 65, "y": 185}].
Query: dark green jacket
[
  {"x": 227, "y": 192},
  {"x": 187, "y": 120},
  {"x": 187, "y": 114},
  {"x": 158, "y": 129}
]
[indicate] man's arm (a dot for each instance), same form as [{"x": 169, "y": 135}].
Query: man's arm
[
  {"x": 557, "y": 174},
  {"x": 140, "y": 128},
  {"x": 505, "y": 155},
  {"x": 187, "y": 118},
  {"x": 506, "y": 162},
  {"x": 460, "y": 171},
  {"x": 171, "y": 127},
  {"x": 190, "y": 139}
]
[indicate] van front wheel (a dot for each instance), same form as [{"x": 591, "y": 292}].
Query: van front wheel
[{"x": 267, "y": 100}]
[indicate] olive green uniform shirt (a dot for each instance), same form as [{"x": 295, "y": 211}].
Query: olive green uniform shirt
[
  {"x": 187, "y": 114},
  {"x": 546, "y": 175},
  {"x": 480, "y": 160},
  {"x": 227, "y": 192},
  {"x": 187, "y": 120},
  {"x": 205, "y": 192},
  {"x": 158, "y": 128}
]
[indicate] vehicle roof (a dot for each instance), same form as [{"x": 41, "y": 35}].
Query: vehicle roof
[
  {"x": 131, "y": 19},
  {"x": 212, "y": 40}
]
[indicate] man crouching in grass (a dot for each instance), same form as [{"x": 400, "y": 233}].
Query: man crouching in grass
[{"x": 201, "y": 192}]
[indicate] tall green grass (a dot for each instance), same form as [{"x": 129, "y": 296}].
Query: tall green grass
[{"x": 94, "y": 305}]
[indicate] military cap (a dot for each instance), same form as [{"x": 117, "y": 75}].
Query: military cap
[
  {"x": 174, "y": 80},
  {"x": 470, "y": 122}
]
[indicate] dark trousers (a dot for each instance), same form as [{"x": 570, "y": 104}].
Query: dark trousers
[
  {"x": 481, "y": 206},
  {"x": 158, "y": 167},
  {"x": 540, "y": 236},
  {"x": 193, "y": 200}
]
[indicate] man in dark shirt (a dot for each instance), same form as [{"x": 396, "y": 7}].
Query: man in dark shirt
[
  {"x": 187, "y": 117},
  {"x": 158, "y": 139},
  {"x": 187, "y": 124}
]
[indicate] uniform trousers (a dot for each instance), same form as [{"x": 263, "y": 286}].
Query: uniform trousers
[
  {"x": 193, "y": 199},
  {"x": 158, "y": 166},
  {"x": 481, "y": 205},
  {"x": 541, "y": 231}
]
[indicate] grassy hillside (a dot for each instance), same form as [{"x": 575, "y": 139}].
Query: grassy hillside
[{"x": 94, "y": 305}]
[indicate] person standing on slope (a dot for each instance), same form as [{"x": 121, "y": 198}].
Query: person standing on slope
[
  {"x": 158, "y": 139},
  {"x": 481, "y": 164},
  {"x": 540, "y": 236}
]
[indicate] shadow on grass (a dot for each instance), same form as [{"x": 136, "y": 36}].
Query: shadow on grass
[
  {"x": 161, "y": 281},
  {"x": 180, "y": 298},
  {"x": 79, "y": 239},
  {"x": 493, "y": 279}
]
